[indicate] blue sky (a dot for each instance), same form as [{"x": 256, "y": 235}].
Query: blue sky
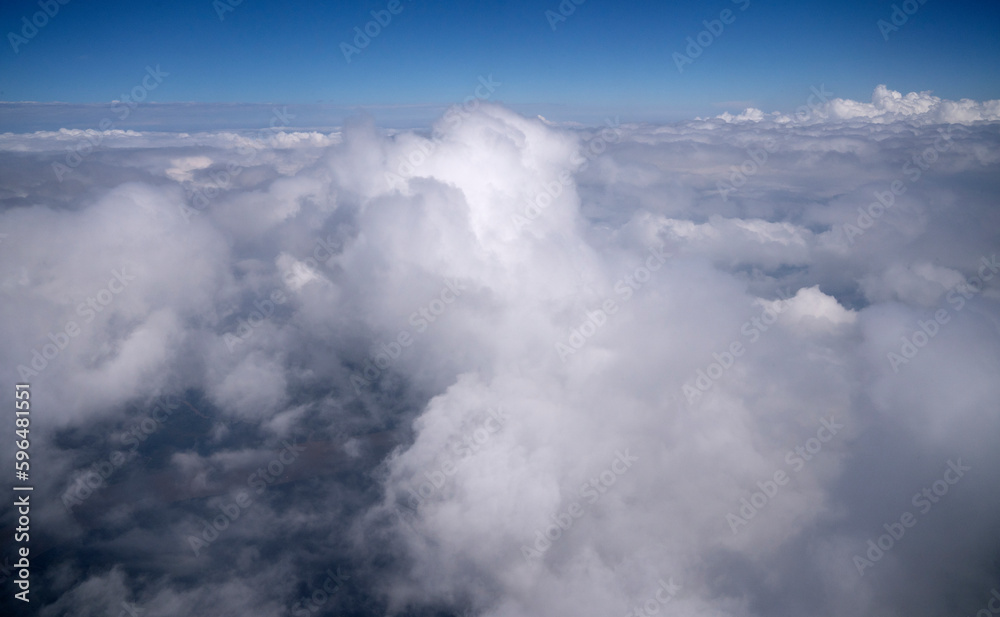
[{"x": 605, "y": 56}]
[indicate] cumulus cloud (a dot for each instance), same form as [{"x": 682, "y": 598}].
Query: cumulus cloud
[
  {"x": 502, "y": 367},
  {"x": 886, "y": 106}
]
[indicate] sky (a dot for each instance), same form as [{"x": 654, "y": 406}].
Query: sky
[
  {"x": 498, "y": 319},
  {"x": 602, "y": 56}
]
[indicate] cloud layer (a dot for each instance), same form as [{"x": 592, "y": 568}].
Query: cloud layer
[{"x": 502, "y": 367}]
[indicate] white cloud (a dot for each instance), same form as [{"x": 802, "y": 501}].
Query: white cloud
[
  {"x": 886, "y": 106},
  {"x": 415, "y": 273}
]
